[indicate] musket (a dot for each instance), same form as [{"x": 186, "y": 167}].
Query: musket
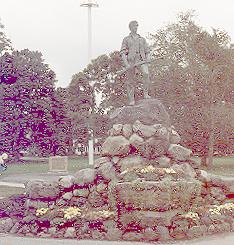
[{"x": 121, "y": 72}]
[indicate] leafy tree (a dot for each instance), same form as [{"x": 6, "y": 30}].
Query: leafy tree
[
  {"x": 5, "y": 43},
  {"x": 194, "y": 76},
  {"x": 81, "y": 102},
  {"x": 26, "y": 92},
  {"x": 85, "y": 114},
  {"x": 62, "y": 138}
]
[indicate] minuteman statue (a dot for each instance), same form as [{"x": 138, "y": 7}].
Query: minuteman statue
[{"x": 135, "y": 55}]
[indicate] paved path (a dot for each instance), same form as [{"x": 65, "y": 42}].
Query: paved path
[
  {"x": 23, "y": 178},
  {"x": 11, "y": 184},
  {"x": 224, "y": 239}
]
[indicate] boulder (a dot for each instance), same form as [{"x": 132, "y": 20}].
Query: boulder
[
  {"x": 115, "y": 146},
  {"x": 150, "y": 235},
  {"x": 117, "y": 129},
  {"x": 149, "y": 112},
  {"x": 218, "y": 228},
  {"x": 217, "y": 193},
  {"x": 115, "y": 159},
  {"x": 85, "y": 176},
  {"x": 163, "y": 161},
  {"x": 136, "y": 141},
  {"x": 102, "y": 187},
  {"x": 98, "y": 162},
  {"x": 185, "y": 168},
  {"x": 158, "y": 195},
  {"x": 196, "y": 231},
  {"x": 179, "y": 152},
  {"x": 131, "y": 162},
  {"x": 148, "y": 218},
  {"x": 70, "y": 232},
  {"x": 107, "y": 171},
  {"x": 81, "y": 192},
  {"x": 5, "y": 225},
  {"x": 95, "y": 199},
  {"x": 174, "y": 137},
  {"x": 15, "y": 228},
  {"x": 36, "y": 204},
  {"x": 52, "y": 231},
  {"x": 66, "y": 181},
  {"x": 13, "y": 206},
  {"x": 161, "y": 132},
  {"x": 114, "y": 234},
  {"x": 67, "y": 196},
  {"x": 98, "y": 235},
  {"x": 133, "y": 236},
  {"x": 144, "y": 131},
  {"x": 37, "y": 189},
  {"x": 153, "y": 148},
  {"x": 163, "y": 233},
  {"x": 127, "y": 130}
]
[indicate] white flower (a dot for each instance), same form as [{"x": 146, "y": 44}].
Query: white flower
[
  {"x": 4, "y": 156},
  {"x": 169, "y": 171},
  {"x": 41, "y": 211},
  {"x": 71, "y": 212}
]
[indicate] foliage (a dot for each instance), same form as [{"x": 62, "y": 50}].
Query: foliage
[
  {"x": 193, "y": 76},
  {"x": 5, "y": 44},
  {"x": 26, "y": 92},
  {"x": 83, "y": 111},
  {"x": 62, "y": 138}
]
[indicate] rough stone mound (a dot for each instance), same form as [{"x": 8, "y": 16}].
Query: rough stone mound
[
  {"x": 145, "y": 187},
  {"x": 150, "y": 111}
]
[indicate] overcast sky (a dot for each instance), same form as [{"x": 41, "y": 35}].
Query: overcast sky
[{"x": 58, "y": 28}]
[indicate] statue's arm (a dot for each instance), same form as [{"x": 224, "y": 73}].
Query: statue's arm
[{"x": 124, "y": 52}]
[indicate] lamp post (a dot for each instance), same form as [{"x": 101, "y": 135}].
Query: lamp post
[{"x": 90, "y": 4}]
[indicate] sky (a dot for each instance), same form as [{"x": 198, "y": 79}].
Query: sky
[{"x": 58, "y": 28}]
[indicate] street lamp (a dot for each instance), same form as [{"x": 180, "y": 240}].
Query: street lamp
[{"x": 90, "y": 4}]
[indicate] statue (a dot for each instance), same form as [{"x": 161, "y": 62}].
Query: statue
[{"x": 135, "y": 55}]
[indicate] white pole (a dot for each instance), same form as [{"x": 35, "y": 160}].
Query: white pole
[
  {"x": 89, "y": 34},
  {"x": 90, "y": 4},
  {"x": 91, "y": 141}
]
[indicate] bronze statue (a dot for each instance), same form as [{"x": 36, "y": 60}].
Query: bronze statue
[{"x": 135, "y": 55}]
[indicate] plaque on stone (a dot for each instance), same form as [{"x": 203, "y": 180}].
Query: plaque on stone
[{"x": 58, "y": 164}]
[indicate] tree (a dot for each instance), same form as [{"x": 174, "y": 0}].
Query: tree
[
  {"x": 194, "y": 76},
  {"x": 5, "y": 43},
  {"x": 26, "y": 92},
  {"x": 62, "y": 137},
  {"x": 81, "y": 103}
]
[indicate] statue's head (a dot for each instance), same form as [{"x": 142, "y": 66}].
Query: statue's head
[{"x": 133, "y": 25}]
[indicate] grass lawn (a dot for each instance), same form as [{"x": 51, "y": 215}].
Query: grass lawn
[
  {"x": 74, "y": 165},
  {"x": 222, "y": 166}
]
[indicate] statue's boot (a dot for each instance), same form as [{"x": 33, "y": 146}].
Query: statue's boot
[
  {"x": 146, "y": 86},
  {"x": 146, "y": 92}
]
